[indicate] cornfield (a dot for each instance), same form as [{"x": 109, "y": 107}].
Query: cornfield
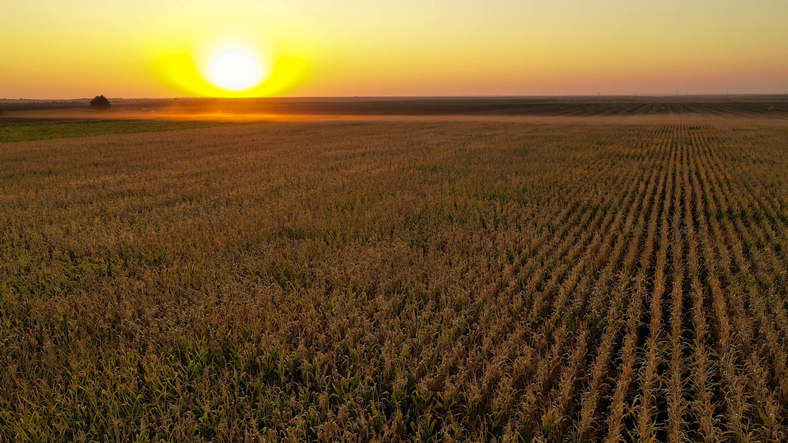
[{"x": 439, "y": 280}]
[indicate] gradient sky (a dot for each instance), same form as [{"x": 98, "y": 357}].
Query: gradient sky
[{"x": 145, "y": 48}]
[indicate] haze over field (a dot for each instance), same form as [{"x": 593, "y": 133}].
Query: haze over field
[{"x": 65, "y": 49}]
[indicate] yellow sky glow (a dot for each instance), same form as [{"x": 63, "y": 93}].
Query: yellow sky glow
[{"x": 145, "y": 48}]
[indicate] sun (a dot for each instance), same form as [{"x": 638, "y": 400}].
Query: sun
[{"x": 235, "y": 70}]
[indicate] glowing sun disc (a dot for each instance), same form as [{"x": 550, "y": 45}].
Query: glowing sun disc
[{"x": 235, "y": 71}]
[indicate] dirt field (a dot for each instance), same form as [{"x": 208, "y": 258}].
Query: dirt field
[
  {"x": 485, "y": 280},
  {"x": 752, "y": 106}
]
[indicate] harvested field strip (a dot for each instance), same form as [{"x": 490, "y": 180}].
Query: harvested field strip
[
  {"x": 17, "y": 130},
  {"x": 411, "y": 280}
]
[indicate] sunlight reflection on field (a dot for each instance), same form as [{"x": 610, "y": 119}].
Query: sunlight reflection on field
[{"x": 176, "y": 114}]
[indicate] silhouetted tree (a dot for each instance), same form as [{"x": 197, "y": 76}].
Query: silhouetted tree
[{"x": 100, "y": 102}]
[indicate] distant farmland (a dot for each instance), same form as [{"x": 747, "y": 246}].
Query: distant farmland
[
  {"x": 398, "y": 280},
  {"x": 751, "y": 106}
]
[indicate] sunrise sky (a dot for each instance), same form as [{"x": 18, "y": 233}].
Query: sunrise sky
[{"x": 57, "y": 49}]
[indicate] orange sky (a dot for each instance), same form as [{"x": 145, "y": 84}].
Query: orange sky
[{"x": 146, "y": 48}]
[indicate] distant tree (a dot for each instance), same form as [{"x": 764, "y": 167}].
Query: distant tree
[{"x": 101, "y": 103}]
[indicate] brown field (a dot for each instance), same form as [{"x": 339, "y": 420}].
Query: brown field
[
  {"x": 712, "y": 105},
  {"x": 550, "y": 279}
]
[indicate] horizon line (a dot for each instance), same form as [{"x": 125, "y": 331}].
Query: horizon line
[{"x": 480, "y": 96}]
